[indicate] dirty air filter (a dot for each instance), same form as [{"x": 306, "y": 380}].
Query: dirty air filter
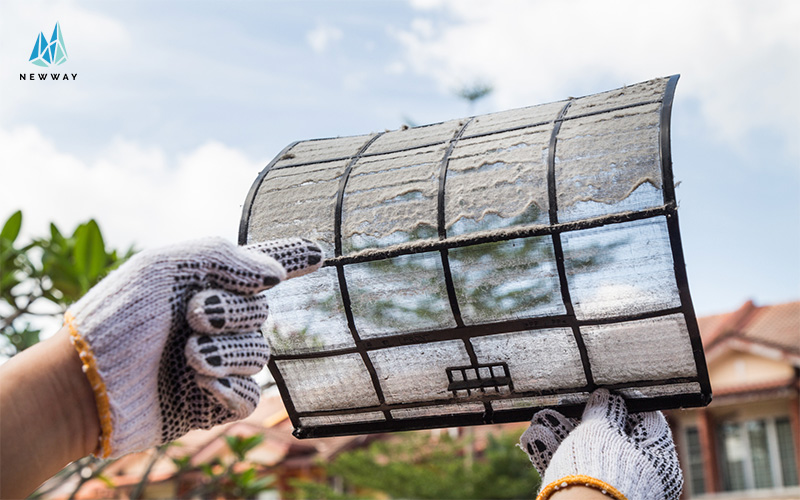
[{"x": 484, "y": 268}]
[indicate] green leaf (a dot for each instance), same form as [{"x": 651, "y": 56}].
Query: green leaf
[
  {"x": 207, "y": 470},
  {"x": 262, "y": 483},
  {"x": 241, "y": 445},
  {"x": 89, "y": 254},
  {"x": 11, "y": 227},
  {"x": 63, "y": 273},
  {"x": 246, "y": 477},
  {"x": 55, "y": 235},
  {"x": 22, "y": 339},
  {"x": 182, "y": 463},
  {"x": 97, "y": 251},
  {"x": 82, "y": 244},
  {"x": 106, "y": 480}
]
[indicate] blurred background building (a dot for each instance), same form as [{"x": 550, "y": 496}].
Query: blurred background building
[{"x": 746, "y": 443}]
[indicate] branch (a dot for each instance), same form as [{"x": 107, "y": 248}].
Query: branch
[
  {"x": 137, "y": 492},
  {"x": 7, "y": 322},
  {"x": 65, "y": 476},
  {"x": 83, "y": 480}
]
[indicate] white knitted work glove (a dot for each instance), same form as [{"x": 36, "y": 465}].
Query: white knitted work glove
[
  {"x": 169, "y": 340},
  {"x": 540, "y": 441},
  {"x": 625, "y": 456}
]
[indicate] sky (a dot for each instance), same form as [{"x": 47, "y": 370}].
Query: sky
[{"x": 178, "y": 105}]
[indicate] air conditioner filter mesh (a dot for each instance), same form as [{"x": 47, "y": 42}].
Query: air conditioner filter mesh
[{"x": 481, "y": 269}]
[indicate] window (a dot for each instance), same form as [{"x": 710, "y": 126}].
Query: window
[
  {"x": 759, "y": 450},
  {"x": 786, "y": 452},
  {"x": 756, "y": 454},
  {"x": 733, "y": 457},
  {"x": 696, "y": 480}
]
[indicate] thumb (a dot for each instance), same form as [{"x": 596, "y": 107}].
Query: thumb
[
  {"x": 649, "y": 429},
  {"x": 547, "y": 430},
  {"x": 226, "y": 266},
  {"x": 298, "y": 256},
  {"x": 604, "y": 406}
]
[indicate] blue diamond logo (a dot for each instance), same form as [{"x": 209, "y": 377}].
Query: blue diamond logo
[{"x": 49, "y": 54}]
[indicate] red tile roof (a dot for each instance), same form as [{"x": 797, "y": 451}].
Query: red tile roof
[
  {"x": 775, "y": 327},
  {"x": 778, "y": 326}
]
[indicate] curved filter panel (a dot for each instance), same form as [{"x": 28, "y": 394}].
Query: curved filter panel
[{"x": 484, "y": 268}]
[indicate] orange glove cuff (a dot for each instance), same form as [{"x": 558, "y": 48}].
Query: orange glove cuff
[{"x": 580, "y": 480}]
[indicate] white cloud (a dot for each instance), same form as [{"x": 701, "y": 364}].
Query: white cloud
[
  {"x": 395, "y": 68},
  {"x": 738, "y": 59},
  {"x": 355, "y": 81},
  {"x": 138, "y": 195},
  {"x": 321, "y": 37},
  {"x": 427, "y": 4},
  {"x": 423, "y": 27}
]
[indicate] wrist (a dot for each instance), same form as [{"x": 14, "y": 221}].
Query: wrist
[
  {"x": 45, "y": 399},
  {"x": 577, "y": 492},
  {"x": 94, "y": 381},
  {"x": 578, "y": 485},
  {"x": 72, "y": 388}
]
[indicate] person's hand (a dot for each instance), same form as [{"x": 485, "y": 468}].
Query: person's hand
[
  {"x": 625, "y": 456},
  {"x": 540, "y": 441},
  {"x": 170, "y": 339}
]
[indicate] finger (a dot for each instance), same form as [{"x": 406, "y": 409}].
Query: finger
[
  {"x": 649, "y": 429},
  {"x": 298, "y": 256},
  {"x": 223, "y": 355},
  {"x": 219, "y": 311},
  {"x": 239, "y": 394},
  {"x": 558, "y": 424},
  {"x": 603, "y": 405},
  {"x": 237, "y": 270},
  {"x": 547, "y": 430},
  {"x": 632, "y": 421}
]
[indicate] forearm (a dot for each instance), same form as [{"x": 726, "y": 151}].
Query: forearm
[{"x": 49, "y": 417}]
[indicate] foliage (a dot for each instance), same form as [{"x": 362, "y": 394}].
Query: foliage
[
  {"x": 414, "y": 466},
  {"x": 240, "y": 446},
  {"x": 43, "y": 276},
  {"x": 239, "y": 479},
  {"x": 470, "y": 92},
  {"x": 474, "y": 91},
  {"x": 310, "y": 490}
]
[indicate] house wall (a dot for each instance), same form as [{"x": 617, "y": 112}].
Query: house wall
[
  {"x": 751, "y": 411},
  {"x": 707, "y": 420},
  {"x": 729, "y": 371},
  {"x": 737, "y": 369}
]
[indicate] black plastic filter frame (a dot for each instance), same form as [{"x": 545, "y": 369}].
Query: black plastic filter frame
[
  {"x": 465, "y": 333},
  {"x": 674, "y": 231},
  {"x": 351, "y": 324},
  {"x": 471, "y": 378},
  {"x": 558, "y": 250}
]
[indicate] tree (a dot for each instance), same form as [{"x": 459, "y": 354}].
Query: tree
[
  {"x": 240, "y": 478},
  {"x": 412, "y": 465},
  {"x": 40, "y": 278},
  {"x": 473, "y": 92},
  {"x": 470, "y": 92}
]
